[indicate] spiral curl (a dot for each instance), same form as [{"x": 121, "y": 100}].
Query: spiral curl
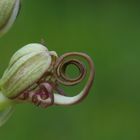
[{"x": 60, "y": 72}]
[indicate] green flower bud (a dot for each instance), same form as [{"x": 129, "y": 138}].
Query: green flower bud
[
  {"x": 8, "y": 12},
  {"x": 25, "y": 68}
]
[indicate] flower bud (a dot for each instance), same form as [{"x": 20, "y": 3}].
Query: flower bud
[
  {"x": 25, "y": 68},
  {"x": 8, "y": 12}
]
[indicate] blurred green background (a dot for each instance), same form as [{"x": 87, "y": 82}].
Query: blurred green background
[{"x": 109, "y": 32}]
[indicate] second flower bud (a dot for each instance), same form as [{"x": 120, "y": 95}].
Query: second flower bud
[{"x": 9, "y": 10}]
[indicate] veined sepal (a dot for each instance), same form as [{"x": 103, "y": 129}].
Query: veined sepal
[{"x": 25, "y": 68}]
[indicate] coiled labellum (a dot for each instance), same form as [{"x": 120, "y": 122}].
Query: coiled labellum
[{"x": 35, "y": 75}]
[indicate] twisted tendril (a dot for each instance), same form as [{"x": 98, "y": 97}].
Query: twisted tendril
[{"x": 60, "y": 73}]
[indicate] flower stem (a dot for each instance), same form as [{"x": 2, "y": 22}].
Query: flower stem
[{"x": 4, "y": 102}]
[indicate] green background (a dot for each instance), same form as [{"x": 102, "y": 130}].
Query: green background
[{"x": 110, "y": 33}]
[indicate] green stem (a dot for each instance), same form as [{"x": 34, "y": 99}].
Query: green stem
[{"x": 4, "y": 102}]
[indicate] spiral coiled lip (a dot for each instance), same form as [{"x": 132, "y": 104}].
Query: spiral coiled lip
[
  {"x": 62, "y": 78},
  {"x": 65, "y": 60}
]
